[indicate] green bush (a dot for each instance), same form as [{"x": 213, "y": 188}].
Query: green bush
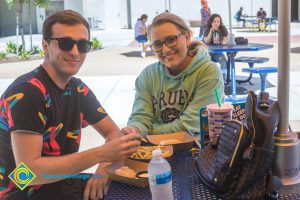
[
  {"x": 2, "y": 55},
  {"x": 23, "y": 54},
  {"x": 21, "y": 48},
  {"x": 11, "y": 47},
  {"x": 96, "y": 43},
  {"x": 35, "y": 49}
]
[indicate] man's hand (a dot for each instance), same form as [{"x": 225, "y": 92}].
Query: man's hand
[
  {"x": 97, "y": 186},
  {"x": 120, "y": 148}
]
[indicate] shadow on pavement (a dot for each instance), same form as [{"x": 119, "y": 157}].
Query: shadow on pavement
[
  {"x": 295, "y": 50},
  {"x": 243, "y": 88}
]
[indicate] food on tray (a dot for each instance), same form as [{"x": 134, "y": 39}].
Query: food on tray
[
  {"x": 125, "y": 171},
  {"x": 142, "y": 174},
  {"x": 145, "y": 152},
  {"x": 170, "y": 141}
]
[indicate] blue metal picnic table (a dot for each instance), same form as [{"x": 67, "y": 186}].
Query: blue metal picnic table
[
  {"x": 232, "y": 50},
  {"x": 186, "y": 184}
]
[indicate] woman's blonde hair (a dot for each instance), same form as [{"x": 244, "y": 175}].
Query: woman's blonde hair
[{"x": 169, "y": 18}]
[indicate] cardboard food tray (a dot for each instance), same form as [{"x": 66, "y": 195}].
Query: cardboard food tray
[
  {"x": 167, "y": 147},
  {"x": 186, "y": 140},
  {"x": 132, "y": 164}
]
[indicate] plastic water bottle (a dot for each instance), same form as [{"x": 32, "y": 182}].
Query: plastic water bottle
[{"x": 160, "y": 177}]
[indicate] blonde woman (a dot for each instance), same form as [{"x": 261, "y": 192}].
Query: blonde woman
[{"x": 169, "y": 93}]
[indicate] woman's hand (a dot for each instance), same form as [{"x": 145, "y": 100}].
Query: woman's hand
[
  {"x": 130, "y": 130},
  {"x": 213, "y": 29}
]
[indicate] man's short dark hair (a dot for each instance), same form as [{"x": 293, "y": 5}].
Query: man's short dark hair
[{"x": 68, "y": 17}]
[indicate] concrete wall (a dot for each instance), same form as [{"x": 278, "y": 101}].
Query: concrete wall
[
  {"x": 112, "y": 14},
  {"x": 93, "y": 11},
  {"x": 250, "y": 7},
  {"x": 74, "y": 5},
  {"x": 148, "y": 7},
  {"x": 8, "y": 20},
  {"x": 190, "y": 9}
]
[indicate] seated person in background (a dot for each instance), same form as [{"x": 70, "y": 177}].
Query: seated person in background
[
  {"x": 169, "y": 93},
  {"x": 216, "y": 33},
  {"x": 238, "y": 16},
  {"x": 261, "y": 13},
  {"x": 42, "y": 114},
  {"x": 140, "y": 33}
]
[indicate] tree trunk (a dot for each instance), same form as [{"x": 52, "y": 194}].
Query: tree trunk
[
  {"x": 30, "y": 23},
  {"x": 20, "y": 23}
]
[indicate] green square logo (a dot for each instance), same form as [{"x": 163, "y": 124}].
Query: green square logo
[{"x": 22, "y": 176}]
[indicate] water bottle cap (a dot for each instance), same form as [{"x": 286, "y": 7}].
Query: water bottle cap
[{"x": 156, "y": 153}]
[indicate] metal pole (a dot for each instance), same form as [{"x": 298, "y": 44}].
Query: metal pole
[
  {"x": 287, "y": 144},
  {"x": 166, "y": 5},
  {"x": 283, "y": 88},
  {"x": 231, "y": 36},
  {"x": 251, "y": 7},
  {"x": 129, "y": 14},
  {"x": 169, "y": 6}
]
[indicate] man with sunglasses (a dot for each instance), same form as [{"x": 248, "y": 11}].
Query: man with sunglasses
[
  {"x": 42, "y": 114},
  {"x": 170, "y": 93}
]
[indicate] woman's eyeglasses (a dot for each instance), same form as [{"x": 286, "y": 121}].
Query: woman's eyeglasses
[
  {"x": 170, "y": 41},
  {"x": 66, "y": 44}
]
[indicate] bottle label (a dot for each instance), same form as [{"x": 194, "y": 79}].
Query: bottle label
[{"x": 160, "y": 178}]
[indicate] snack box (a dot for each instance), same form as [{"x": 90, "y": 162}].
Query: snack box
[
  {"x": 179, "y": 140},
  {"x": 147, "y": 150},
  {"x": 137, "y": 166}
]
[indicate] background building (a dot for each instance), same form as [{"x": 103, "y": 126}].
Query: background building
[{"x": 117, "y": 14}]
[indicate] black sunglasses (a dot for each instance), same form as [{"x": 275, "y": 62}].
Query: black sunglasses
[
  {"x": 170, "y": 41},
  {"x": 66, "y": 44}
]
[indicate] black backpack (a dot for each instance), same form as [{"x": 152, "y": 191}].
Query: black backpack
[{"x": 239, "y": 164}]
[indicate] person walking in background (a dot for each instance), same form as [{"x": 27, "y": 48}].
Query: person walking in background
[
  {"x": 238, "y": 16},
  {"x": 170, "y": 93},
  {"x": 140, "y": 33},
  {"x": 205, "y": 15},
  {"x": 216, "y": 33}
]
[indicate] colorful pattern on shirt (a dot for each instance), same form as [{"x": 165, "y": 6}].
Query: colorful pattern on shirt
[{"x": 33, "y": 103}]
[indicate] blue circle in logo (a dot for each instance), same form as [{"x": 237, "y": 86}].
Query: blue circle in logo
[{"x": 22, "y": 176}]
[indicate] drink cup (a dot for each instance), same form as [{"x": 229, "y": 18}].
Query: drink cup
[
  {"x": 214, "y": 38},
  {"x": 217, "y": 116}
]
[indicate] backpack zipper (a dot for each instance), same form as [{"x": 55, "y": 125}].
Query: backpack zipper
[
  {"x": 242, "y": 133},
  {"x": 238, "y": 144}
]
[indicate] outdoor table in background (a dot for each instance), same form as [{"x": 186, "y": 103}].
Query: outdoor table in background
[
  {"x": 232, "y": 50},
  {"x": 268, "y": 21}
]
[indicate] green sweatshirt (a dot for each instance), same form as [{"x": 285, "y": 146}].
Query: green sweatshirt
[{"x": 167, "y": 104}]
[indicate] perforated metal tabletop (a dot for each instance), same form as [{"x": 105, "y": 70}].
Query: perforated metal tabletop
[{"x": 186, "y": 184}]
